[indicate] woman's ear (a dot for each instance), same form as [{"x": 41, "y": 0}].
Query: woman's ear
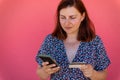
[{"x": 83, "y": 16}]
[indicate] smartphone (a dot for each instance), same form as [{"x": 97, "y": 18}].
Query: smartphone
[
  {"x": 46, "y": 58},
  {"x": 76, "y": 64}
]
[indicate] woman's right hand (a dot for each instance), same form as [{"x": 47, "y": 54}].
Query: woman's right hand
[
  {"x": 50, "y": 69},
  {"x": 46, "y": 70}
]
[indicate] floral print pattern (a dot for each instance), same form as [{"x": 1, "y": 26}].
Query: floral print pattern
[{"x": 92, "y": 52}]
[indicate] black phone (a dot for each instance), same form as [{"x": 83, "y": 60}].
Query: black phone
[{"x": 46, "y": 58}]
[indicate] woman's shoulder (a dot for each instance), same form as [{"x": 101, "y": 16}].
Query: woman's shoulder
[
  {"x": 50, "y": 38},
  {"x": 96, "y": 40}
]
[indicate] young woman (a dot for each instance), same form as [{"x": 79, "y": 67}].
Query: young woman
[{"x": 73, "y": 40}]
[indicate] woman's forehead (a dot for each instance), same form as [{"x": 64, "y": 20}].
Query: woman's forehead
[{"x": 69, "y": 11}]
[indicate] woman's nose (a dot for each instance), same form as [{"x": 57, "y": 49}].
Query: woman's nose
[{"x": 67, "y": 22}]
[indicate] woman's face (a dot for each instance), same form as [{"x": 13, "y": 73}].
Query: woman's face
[{"x": 70, "y": 19}]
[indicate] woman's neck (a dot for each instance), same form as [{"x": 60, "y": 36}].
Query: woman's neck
[{"x": 71, "y": 38}]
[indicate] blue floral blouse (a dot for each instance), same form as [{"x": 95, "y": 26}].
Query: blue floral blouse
[{"x": 93, "y": 53}]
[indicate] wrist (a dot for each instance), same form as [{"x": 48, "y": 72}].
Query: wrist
[
  {"x": 43, "y": 74},
  {"x": 94, "y": 73}
]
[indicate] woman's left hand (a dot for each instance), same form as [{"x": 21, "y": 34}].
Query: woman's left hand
[{"x": 87, "y": 70}]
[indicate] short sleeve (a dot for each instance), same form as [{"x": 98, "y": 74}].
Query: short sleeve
[
  {"x": 44, "y": 49},
  {"x": 102, "y": 60}
]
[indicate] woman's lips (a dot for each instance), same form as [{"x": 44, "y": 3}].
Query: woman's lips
[{"x": 67, "y": 28}]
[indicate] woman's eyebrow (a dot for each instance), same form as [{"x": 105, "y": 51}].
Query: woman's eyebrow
[
  {"x": 69, "y": 15},
  {"x": 62, "y": 15},
  {"x": 73, "y": 15}
]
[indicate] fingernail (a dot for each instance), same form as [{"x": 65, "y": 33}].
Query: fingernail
[
  {"x": 46, "y": 62},
  {"x": 53, "y": 65},
  {"x": 58, "y": 67}
]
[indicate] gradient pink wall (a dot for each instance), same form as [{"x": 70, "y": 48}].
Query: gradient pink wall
[{"x": 25, "y": 23}]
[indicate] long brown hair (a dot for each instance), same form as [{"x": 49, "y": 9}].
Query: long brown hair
[{"x": 86, "y": 29}]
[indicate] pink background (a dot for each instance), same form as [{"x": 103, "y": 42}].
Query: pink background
[{"x": 25, "y": 23}]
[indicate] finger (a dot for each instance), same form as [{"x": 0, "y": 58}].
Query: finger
[
  {"x": 45, "y": 63},
  {"x": 56, "y": 69},
  {"x": 83, "y": 67},
  {"x": 51, "y": 66},
  {"x": 39, "y": 66},
  {"x": 48, "y": 68},
  {"x": 87, "y": 74},
  {"x": 53, "y": 70},
  {"x": 48, "y": 71},
  {"x": 88, "y": 68}
]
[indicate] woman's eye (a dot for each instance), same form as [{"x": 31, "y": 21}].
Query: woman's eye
[
  {"x": 62, "y": 17},
  {"x": 73, "y": 17}
]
